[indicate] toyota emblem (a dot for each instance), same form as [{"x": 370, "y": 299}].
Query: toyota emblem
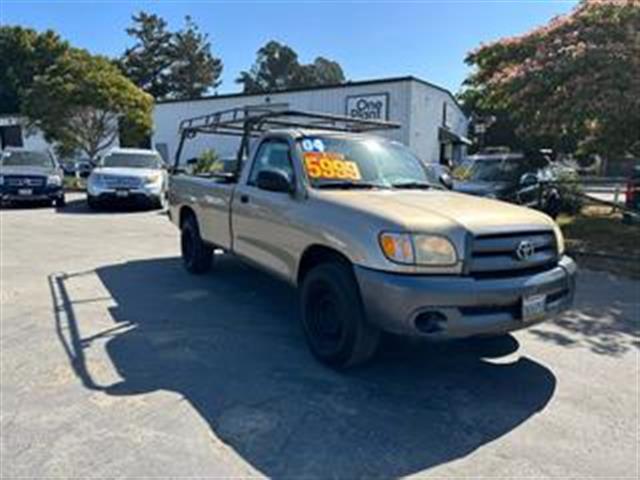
[{"x": 525, "y": 250}]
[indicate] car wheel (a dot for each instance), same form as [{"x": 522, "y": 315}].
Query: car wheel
[
  {"x": 92, "y": 202},
  {"x": 61, "y": 201},
  {"x": 333, "y": 318},
  {"x": 196, "y": 255}
]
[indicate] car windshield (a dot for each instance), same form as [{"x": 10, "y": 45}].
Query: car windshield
[
  {"x": 132, "y": 160},
  {"x": 21, "y": 158},
  {"x": 498, "y": 170},
  {"x": 362, "y": 162}
]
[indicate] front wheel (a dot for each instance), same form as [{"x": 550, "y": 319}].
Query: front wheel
[
  {"x": 60, "y": 201},
  {"x": 197, "y": 256},
  {"x": 333, "y": 318}
]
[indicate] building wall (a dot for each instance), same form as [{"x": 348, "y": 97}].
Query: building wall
[
  {"x": 417, "y": 107},
  {"x": 427, "y": 106},
  {"x": 33, "y": 138}
]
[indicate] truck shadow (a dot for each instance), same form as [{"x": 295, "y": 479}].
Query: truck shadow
[{"x": 230, "y": 344}]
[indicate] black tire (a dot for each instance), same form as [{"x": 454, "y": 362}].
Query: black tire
[
  {"x": 60, "y": 202},
  {"x": 333, "y": 318},
  {"x": 197, "y": 256},
  {"x": 93, "y": 203}
]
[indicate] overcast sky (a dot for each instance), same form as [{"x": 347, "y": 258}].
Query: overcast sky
[{"x": 428, "y": 39}]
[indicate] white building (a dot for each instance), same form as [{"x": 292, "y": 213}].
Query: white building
[
  {"x": 13, "y": 133},
  {"x": 433, "y": 124}
]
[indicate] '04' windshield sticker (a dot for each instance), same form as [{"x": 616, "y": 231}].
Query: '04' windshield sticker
[
  {"x": 330, "y": 166},
  {"x": 312, "y": 145}
]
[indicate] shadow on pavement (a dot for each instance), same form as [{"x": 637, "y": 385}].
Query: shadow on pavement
[
  {"x": 79, "y": 206},
  {"x": 229, "y": 342},
  {"x": 611, "y": 328}
]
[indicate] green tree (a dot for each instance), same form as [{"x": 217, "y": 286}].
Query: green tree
[
  {"x": 147, "y": 63},
  {"x": 572, "y": 84},
  {"x": 277, "y": 68},
  {"x": 79, "y": 101},
  {"x": 194, "y": 69},
  {"x": 321, "y": 72},
  {"x": 24, "y": 53}
]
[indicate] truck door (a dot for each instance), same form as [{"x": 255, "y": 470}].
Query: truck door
[{"x": 262, "y": 220}]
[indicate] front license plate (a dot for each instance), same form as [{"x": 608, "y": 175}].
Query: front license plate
[
  {"x": 533, "y": 307},
  {"x": 122, "y": 193},
  {"x": 25, "y": 191}
]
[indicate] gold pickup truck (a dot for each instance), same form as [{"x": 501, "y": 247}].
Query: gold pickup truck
[{"x": 373, "y": 243}]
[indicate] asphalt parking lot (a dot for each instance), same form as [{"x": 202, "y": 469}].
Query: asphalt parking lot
[{"x": 115, "y": 362}]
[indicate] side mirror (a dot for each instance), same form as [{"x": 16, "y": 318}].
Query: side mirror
[
  {"x": 528, "y": 180},
  {"x": 446, "y": 180},
  {"x": 191, "y": 161},
  {"x": 274, "y": 181}
]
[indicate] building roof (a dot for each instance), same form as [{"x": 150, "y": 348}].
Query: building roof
[{"x": 359, "y": 83}]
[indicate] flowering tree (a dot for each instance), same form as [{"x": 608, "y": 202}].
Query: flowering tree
[{"x": 573, "y": 84}]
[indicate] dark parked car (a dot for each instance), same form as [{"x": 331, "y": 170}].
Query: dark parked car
[
  {"x": 632, "y": 200},
  {"x": 511, "y": 177},
  {"x": 30, "y": 175}
]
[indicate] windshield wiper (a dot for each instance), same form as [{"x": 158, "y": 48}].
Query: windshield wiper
[
  {"x": 348, "y": 184},
  {"x": 417, "y": 185}
]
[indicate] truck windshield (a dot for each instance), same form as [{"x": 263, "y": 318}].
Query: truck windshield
[
  {"x": 339, "y": 161},
  {"x": 25, "y": 159},
  {"x": 132, "y": 160}
]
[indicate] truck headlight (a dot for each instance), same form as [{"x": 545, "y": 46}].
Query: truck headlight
[
  {"x": 434, "y": 250},
  {"x": 54, "y": 180},
  {"x": 418, "y": 249},
  {"x": 153, "y": 178},
  {"x": 559, "y": 239}
]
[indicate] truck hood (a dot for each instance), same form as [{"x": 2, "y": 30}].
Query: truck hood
[
  {"x": 30, "y": 171},
  {"x": 126, "y": 172},
  {"x": 440, "y": 211}
]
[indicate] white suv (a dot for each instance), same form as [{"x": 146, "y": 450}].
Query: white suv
[{"x": 128, "y": 175}]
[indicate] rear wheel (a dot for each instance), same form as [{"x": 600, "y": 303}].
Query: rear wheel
[
  {"x": 196, "y": 255},
  {"x": 333, "y": 317}
]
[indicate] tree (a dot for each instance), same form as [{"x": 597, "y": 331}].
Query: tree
[
  {"x": 572, "y": 84},
  {"x": 320, "y": 72},
  {"x": 147, "y": 63},
  {"x": 23, "y": 54},
  {"x": 169, "y": 64},
  {"x": 80, "y": 99},
  {"x": 277, "y": 68},
  {"x": 194, "y": 69}
]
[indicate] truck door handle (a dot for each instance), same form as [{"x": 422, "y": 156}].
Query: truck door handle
[{"x": 244, "y": 198}]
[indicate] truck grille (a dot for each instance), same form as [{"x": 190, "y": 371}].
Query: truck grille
[
  {"x": 122, "y": 182},
  {"x": 20, "y": 181},
  {"x": 498, "y": 255}
]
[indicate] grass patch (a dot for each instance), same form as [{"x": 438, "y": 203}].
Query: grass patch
[
  {"x": 73, "y": 184},
  {"x": 600, "y": 240}
]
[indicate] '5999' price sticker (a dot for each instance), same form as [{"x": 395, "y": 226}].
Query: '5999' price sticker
[{"x": 330, "y": 166}]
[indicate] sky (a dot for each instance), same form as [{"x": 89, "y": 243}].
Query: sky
[{"x": 370, "y": 39}]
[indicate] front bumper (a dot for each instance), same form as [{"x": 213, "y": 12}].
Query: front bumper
[
  {"x": 465, "y": 306},
  {"x": 15, "y": 194},
  {"x": 112, "y": 195}
]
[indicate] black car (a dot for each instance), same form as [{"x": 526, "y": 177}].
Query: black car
[
  {"x": 632, "y": 196},
  {"x": 511, "y": 177},
  {"x": 30, "y": 175}
]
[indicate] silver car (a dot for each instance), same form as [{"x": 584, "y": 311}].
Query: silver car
[{"x": 128, "y": 175}]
